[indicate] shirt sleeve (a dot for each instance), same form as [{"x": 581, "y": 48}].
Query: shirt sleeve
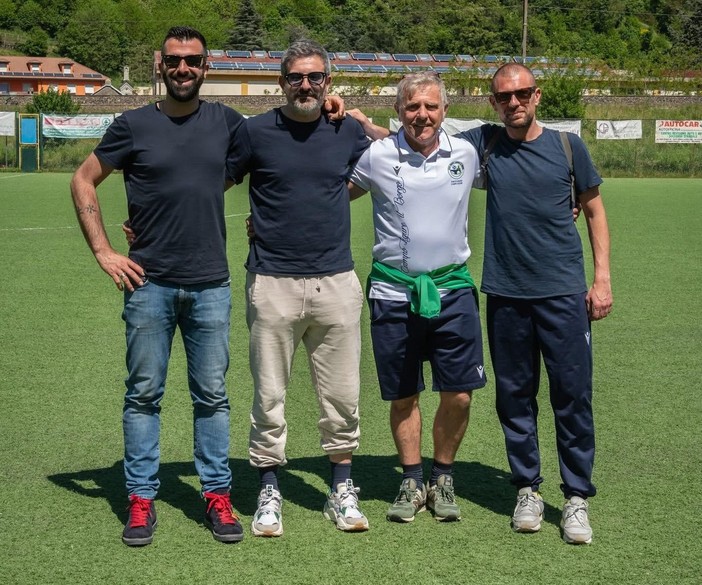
[
  {"x": 116, "y": 145},
  {"x": 239, "y": 154},
  {"x": 586, "y": 175},
  {"x": 360, "y": 175}
]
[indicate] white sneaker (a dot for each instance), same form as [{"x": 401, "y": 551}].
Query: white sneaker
[
  {"x": 529, "y": 511},
  {"x": 268, "y": 520},
  {"x": 342, "y": 508},
  {"x": 575, "y": 523}
]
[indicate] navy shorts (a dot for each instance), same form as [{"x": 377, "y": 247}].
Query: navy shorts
[{"x": 451, "y": 342}]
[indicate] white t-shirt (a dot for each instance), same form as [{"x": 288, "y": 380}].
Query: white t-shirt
[{"x": 420, "y": 205}]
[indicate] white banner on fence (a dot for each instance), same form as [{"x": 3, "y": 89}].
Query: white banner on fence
[
  {"x": 679, "y": 131},
  {"x": 7, "y": 123},
  {"x": 619, "y": 130},
  {"x": 87, "y": 126},
  {"x": 573, "y": 126}
]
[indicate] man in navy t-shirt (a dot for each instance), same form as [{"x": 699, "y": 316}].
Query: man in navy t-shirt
[
  {"x": 538, "y": 303},
  {"x": 301, "y": 285}
]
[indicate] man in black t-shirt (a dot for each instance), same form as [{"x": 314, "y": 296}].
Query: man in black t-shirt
[
  {"x": 300, "y": 283},
  {"x": 174, "y": 156}
]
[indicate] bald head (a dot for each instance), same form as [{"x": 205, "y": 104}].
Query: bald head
[{"x": 512, "y": 70}]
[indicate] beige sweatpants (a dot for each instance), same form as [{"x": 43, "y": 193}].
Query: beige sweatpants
[{"x": 324, "y": 312}]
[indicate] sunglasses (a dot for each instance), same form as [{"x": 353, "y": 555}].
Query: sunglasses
[
  {"x": 315, "y": 78},
  {"x": 523, "y": 95},
  {"x": 173, "y": 61}
]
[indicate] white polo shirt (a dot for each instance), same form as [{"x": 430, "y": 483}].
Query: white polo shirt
[{"x": 420, "y": 205}]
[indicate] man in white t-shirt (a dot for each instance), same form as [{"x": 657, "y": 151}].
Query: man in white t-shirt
[{"x": 423, "y": 301}]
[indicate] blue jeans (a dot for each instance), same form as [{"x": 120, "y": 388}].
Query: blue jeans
[{"x": 152, "y": 313}]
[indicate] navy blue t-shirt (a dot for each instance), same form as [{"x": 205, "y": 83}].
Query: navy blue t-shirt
[
  {"x": 532, "y": 246},
  {"x": 174, "y": 173},
  {"x": 298, "y": 192}
]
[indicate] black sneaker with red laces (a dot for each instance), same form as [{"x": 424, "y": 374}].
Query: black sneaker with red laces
[
  {"x": 220, "y": 518},
  {"x": 139, "y": 530}
]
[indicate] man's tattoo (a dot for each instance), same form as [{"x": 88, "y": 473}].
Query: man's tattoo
[{"x": 89, "y": 209}]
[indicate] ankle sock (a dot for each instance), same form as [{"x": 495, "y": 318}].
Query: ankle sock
[
  {"x": 268, "y": 476},
  {"x": 415, "y": 472},
  {"x": 340, "y": 472},
  {"x": 438, "y": 469}
]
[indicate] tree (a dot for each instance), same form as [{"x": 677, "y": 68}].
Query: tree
[
  {"x": 562, "y": 96},
  {"x": 247, "y": 32},
  {"x": 28, "y": 15},
  {"x": 36, "y": 45},
  {"x": 96, "y": 36},
  {"x": 52, "y": 102},
  {"x": 8, "y": 14}
]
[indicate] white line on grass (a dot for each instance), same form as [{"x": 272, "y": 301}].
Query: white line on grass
[{"x": 73, "y": 227}]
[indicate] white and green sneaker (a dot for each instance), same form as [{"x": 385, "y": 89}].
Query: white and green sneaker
[
  {"x": 529, "y": 511},
  {"x": 409, "y": 502},
  {"x": 342, "y": 508},
  {"x": 441, "y": 500},
  {"x": 268, "y": 520},
  {"x": 575, "y": 523}
]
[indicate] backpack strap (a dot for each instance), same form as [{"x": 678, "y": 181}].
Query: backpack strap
[
  {"x": 569, "y": 155},
  {"x": 486, "y": 155}
]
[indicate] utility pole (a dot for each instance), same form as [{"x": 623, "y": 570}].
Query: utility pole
[{"x": 524, "y": 31}]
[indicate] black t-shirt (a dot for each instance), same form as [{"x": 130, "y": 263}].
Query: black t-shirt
[
  {"x": 298, "y": 192},
  {"x": 174, "y": 174}
]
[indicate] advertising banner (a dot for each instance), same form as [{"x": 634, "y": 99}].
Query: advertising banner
[
  {"x": 619, "y": 129},
  {"x": 7, "y": 123},
  {"x": 678, "y": 131},
  {"x": 87, "y": 126}
]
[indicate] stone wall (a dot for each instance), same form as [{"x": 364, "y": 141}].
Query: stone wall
[{"x": 117, "y": 103}]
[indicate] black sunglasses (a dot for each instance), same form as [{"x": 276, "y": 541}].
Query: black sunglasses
[
  {"x": 173, "y": 61},
  {"x": 523, "y": 95},
  {"x": 315, "y": 78}
]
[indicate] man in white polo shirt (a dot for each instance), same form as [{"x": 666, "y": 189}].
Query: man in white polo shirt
[{"x": 423, "y": 301}]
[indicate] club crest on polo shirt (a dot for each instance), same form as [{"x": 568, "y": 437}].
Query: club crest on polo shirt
[{"x": 455, "y": 171}]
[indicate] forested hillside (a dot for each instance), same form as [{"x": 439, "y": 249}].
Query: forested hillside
[{"x": 644, "y": 36}]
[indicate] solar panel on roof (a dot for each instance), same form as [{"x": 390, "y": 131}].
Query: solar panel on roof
[
  {"x": 404, "y": 57},
  {"x": 248, "y": 66},
  {"x": 259, "y": 54},
  {"x": 276, "y": 54},
  {"x": 444, "y": 58},
  {"x": 215, "y": 53},
  {"x": 239, "y": 54},
  {"x": 363, "y": 56},
  {"x": 377, "y": 68},
  {"x": 343, "y": 55},
  {"x": 397, "y": 68},
  {"x": 423, "y": 56},
  {"x": 441, "y": 68},
  {"x": 222, "y": 65},
  {"x": 384, "y": 56},
  {"x": 467, "y": 58},
  {"x": 271, "y": 66},
  {"x": 348, "y": 67}
]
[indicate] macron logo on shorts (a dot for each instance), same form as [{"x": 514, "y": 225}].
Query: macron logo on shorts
[
  {"x": 587, "y": 338},
  {"x": 481, "y": 371}
]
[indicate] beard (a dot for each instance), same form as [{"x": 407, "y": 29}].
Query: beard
[
  {"x": 523, "y": 122},
  {"x": 309, "y": 106},
  {"x": 180, "y": 93}
]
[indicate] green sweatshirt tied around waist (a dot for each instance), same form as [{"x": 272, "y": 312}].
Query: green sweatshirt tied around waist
[{"x": 425, "y": 297}]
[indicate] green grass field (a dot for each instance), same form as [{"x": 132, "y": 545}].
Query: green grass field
[{"x": 62, "y": 502}]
